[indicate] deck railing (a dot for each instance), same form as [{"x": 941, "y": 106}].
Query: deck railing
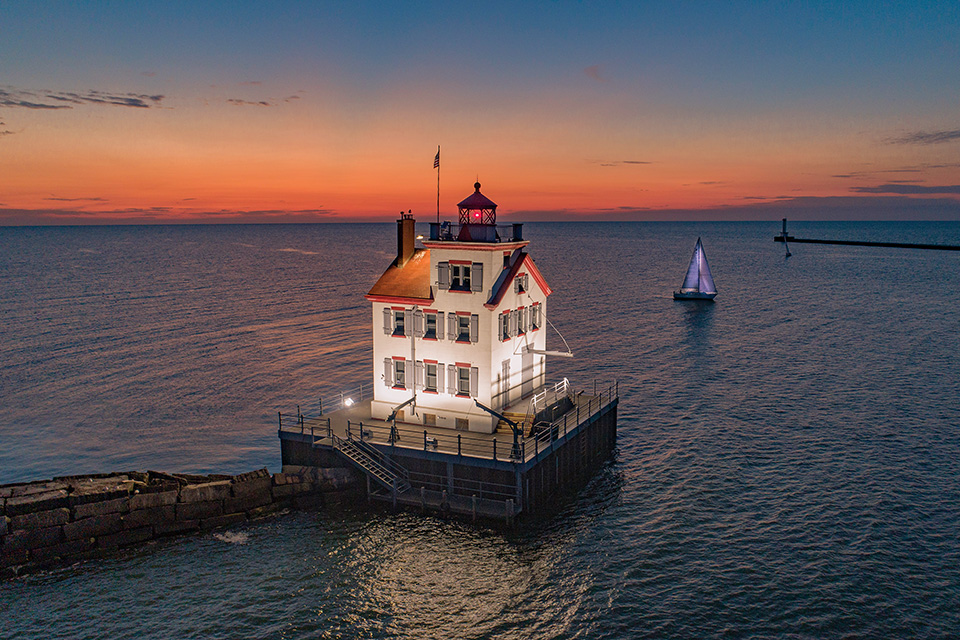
[
  {"x": 542, "y": 436},
  {"x": 346, "y": 398}
]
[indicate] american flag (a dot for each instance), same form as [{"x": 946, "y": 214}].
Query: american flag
[{"x": 436, "y": 161}]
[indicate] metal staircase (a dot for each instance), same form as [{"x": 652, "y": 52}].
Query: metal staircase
[{"x": 366, "y": 458}]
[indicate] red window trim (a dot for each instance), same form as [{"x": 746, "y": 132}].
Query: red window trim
[
  {"x": 462, "y": 313},
  {"x": 431, "y": 361},
  {"x": 428, "y": 391},
  {"x": 399, "y": 358},
  {"x": 399, "y": 308},
  {"x": 396, "y": 387},
  {"x": 459, "y": 261},
  {"x": 462, "y": 364},
  {"x": 463, "y": 395}
]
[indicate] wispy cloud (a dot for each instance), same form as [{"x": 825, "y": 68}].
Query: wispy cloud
[
  {"x": 909, "y": 189},
  {"x": 13, "y": 97},
  {"x": 56, "y": 199},
  {"x": 926, "y": 137},
  {"x": 617, "y": 163},
  {"x": 248, "y": 103}
]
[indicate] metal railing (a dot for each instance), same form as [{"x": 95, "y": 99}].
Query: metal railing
[
  {"x": 542, "y": 399},
  {"x": 542, "y": 437},
  {"x": 451, "y": 231},
  {"x": 346, "y": 398}
]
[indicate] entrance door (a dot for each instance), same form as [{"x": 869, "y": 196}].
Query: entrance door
[{"x": 526, "y": 386}]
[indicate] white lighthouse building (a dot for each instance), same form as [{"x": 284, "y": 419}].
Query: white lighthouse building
[{"x": 457, "y": 323}]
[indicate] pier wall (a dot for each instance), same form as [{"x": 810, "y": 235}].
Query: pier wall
[
  {"x": 571, "y": 466},
  {"x": 56, "y": 522}
]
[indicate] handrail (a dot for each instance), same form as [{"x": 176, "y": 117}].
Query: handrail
[
  {"x": 540, "y": 438},
  {"x": 346, "y": 398}
]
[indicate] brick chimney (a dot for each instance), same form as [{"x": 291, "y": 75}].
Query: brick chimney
[{"x": 406, "y": 234}]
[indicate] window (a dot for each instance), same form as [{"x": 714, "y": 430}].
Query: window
[
  {"x": 521, "y": 321},
  {"x": 430, "y": 330},
  {"x": 399, "y": 374},
  {"x": 463, "y": 328},
  {"x": 398, "y": 323},
  {"x": 460, "y": 277},
  {"x": 535, "y": 316},
  {"x": 505, "y": 326},
  {"x": 430, "y": 380},
  {"x": 521, "y": 283},
  {"x": 429, "y": 419},
  {"x": 463, "y": 381}
]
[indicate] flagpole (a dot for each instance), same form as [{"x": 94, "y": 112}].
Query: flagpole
[{"x": 438, "y": 184}]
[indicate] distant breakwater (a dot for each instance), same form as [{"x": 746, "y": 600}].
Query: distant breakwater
[{"x": 51, "y": 523}]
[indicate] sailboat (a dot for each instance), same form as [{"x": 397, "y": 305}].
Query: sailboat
[{"x": 698, "y": 285}]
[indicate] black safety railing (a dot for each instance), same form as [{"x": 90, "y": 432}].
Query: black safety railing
[{"x": 542, "y": 436}]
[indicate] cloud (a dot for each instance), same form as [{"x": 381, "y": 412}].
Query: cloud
[
  {"x": 76, "y": 199},
  {"x": 595, "y": 73},
  {"x": 249, "y": 83},
  {"x": 617, "y": 163},
  {"x": 12, "y": 97},
  {"x": 6, "y": 132},
  {"x": 248, "y": 103},
  {"x": 926, "y": 137},
  {"x": 909, "y": 189},
  {"x": 149, "y": 74}
]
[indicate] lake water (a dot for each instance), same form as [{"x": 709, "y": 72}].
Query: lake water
[{"x": 788, "y": 460}]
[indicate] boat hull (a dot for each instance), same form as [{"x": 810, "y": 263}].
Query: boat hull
[{"x": 693, "y": 295}]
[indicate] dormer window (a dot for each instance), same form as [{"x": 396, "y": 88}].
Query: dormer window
[
  {"x": 521, "y": 284},
  {"x": 460, "y": 276}
]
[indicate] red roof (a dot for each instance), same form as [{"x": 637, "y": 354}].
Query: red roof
[
  {"x": 407, "y": 284},
  {"x": 477, "y": 200},
  {"x": 505, "y": 281}
]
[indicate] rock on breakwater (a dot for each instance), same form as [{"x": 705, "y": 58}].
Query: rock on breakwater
[{"x": 55, "y": 522}]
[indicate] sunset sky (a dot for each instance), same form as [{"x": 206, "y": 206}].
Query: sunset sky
[{"x": 332, "y": 111}]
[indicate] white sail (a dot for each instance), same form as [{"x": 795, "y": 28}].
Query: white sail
[{"x": 698, "y": 273}]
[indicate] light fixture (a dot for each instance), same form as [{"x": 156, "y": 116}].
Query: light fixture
[{"x": 348, "y": 402}]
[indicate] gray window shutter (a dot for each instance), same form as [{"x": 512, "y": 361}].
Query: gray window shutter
[
  {"x": 407, "y": 322},
  {"x": 443, "y": 275},
  {"x": 419, "y": 379},
  {"x": 452, "y": 328},
  {"x": 513, "y": 323},
  {"x": 387, "y": 321},
  {"x": 452, "y": 379},
  {"x": 388, "y": 371},
  {"x": 418, "y": 323},
  {"x": 474, "y": 381},
  {"x": 441, "y": 326},
  {"x": 476, "y": 278},
  {"x": 440, "y": 377},
  {"x": 474, "y": 328},
  {"x": 516, "y": 285}
]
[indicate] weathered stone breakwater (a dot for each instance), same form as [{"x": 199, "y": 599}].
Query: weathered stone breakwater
[{"x": 55, "y": 522}]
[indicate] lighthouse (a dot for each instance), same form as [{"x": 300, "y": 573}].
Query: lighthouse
[
  {"x": 458, "y": 325},
  {"x": 458, "y": 415}
]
